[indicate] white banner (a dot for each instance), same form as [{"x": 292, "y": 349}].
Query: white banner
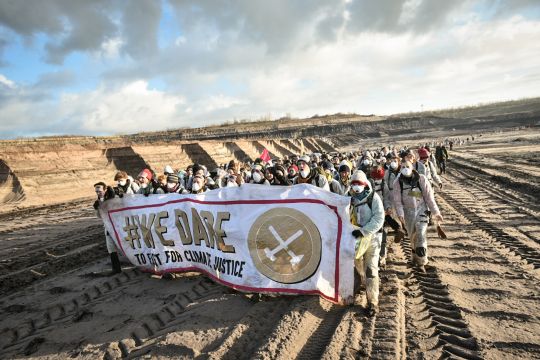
[{"x": 267, "y": 239}]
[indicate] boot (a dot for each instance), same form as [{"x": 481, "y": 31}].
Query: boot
[
  {"x": 400, "y": 235},
  {"x": 372, "y": 310},
  {"x": 116, "y": 267}
]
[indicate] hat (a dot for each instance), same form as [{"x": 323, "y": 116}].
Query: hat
[
  {"x": 294, "y": 167},
  {"x": 377, "y": 173},
  {"x": 423, "y": 153},
  {"x": 304, "y": 158},
  {"x": 344, "y": 166},
  {"x": 168, "y": 170},
  {"x": 172, "y": 178},
  {"x": 257, "y": 166},
  {"x": 327, "y": 165},
  {"x": 360, "y": 178},
  {"x": 404, "y": 153},
  {"x": 146, "y": 174},
  {"x": 197, "y": 167}
]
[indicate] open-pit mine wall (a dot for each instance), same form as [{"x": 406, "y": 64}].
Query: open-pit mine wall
[{"x": 52, "y": 170}]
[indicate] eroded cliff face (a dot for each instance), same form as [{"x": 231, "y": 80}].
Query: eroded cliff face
[
  {"x": 47, "y": 171},
  {"x": 51, "y": 170}
]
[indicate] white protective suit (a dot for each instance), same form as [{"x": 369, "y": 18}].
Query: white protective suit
[
  {"x": 412, "y": 200},
  {"x": 370, "y": 220}
]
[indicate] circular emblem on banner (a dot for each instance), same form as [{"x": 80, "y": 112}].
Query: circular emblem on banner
[{"x": 285, "y": 245}]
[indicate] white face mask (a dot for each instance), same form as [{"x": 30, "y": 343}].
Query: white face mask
[
  {"x": 144, "y": 185},
  {"x": 366, "y": 162},
  {"x": 393, "y": 165},
  {"x": 257, "y": 177},
  {"x": 406, "y": 171},
  {"x": 231, "y": 184},
  {"x": 196, "y": 187},
  {"x": 357, "y": 188},
  {"x": 304, "y": 173},
  {"x": 171, "y": 185},
  {"x": 122, "y": 182}
]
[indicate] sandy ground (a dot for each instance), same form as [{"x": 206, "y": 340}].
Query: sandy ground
[{"x": 480, "y": 297}]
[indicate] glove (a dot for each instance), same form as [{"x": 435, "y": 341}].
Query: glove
[
  {"x": 96, "y": 204},
  {"x": 440, "y": 186},
  {"x": 121, "y": 195},
  {"x": 440, "y": 232},
  {"x": 356, "y": 233},
  {"x": 146, "y": 194}
]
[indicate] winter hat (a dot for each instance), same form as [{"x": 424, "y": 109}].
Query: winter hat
[
  {"x": 326, "y": 165},
  {"x": 146, "y": 174},
  {"x": 304, "y": 158},
  {"x": 294, "y": 167},
  {"x": 344, "y": 166},
  {"x": 197, "y": 167},
  {"x": 377, "y": 173},
  {"x": 423, "y": 153},
  {"x": 257, "y": 166},
  {"x": 172, "y": 178},
  {"x": 404, "y": 153},
  {"x": 168, "y": 170},
  {"x": 360, "y": 178}
]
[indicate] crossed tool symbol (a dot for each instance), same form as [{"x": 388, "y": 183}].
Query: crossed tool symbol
[{"x": 284, "y": 245}]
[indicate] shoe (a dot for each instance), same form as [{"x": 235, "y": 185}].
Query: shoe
[
  {"x": 421, "y": 268},
  {"x": 400, "y": 235},
  {"x": 372, "y": 310},
  {"x": 115, "y": 262}
]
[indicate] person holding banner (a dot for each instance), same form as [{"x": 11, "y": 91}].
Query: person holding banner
[
  {"x": 308, "y": 175},
  {"x": 367, "y": 213},
  {"x": 199, "y": 184},
  {"x": 103, "y": 193}
]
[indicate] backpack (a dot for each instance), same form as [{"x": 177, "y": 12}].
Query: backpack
[{"x": 413, "y": 185}]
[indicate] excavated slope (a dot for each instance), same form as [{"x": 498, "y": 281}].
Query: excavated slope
[{"x": 46, "y": 171}]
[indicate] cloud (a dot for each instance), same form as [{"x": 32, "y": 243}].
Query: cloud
[
  {"x": 140, "y": 27},
  {"x": 244, "y": 59},
  {"x": 6, "y": 82}
]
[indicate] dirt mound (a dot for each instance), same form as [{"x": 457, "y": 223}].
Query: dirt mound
[{"x": 11, "y": 190}]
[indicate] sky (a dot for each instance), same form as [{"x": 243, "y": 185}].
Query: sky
[{"x": 105, "y": 67}]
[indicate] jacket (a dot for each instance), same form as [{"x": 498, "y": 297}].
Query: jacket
[
  {"x": 416, "y": 194},
  {"x": 370, "y": 219}
]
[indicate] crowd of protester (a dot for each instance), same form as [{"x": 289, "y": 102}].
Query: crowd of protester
[{"x": 391, "y": 191}]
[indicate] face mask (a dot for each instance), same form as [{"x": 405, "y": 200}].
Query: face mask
[
  {"x": 231, "y": 184},
  {"x": 365, "y": 162},
  {"x": 122, "y": 182},
  {"x": 407, "y": 172},
  {"x": 357, "y": 188},
  {"x": 393, "y": 165},
  {"x": 171, "y": 185},
  {"x": 304, "y": 173},
  {"x": 257, "y": 177},
  {"x": 196, "y": 187},
  {"x": 144, "y": 185}
]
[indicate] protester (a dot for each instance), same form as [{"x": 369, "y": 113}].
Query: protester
[
  {"x": 308, "y": 175},
  {"x": 425, "y": 167},
  {"x": 367, "y": 213},
  {"x": 145, "y": 182},
  {"x": 104, "y": 193},
  {"x": 124, "y": 184},
  {"x": 414, "y": 202}
]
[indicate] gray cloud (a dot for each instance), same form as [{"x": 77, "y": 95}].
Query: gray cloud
[
  {"x": 55, "y": 79},
  {"x": 140, "y": 28}
]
